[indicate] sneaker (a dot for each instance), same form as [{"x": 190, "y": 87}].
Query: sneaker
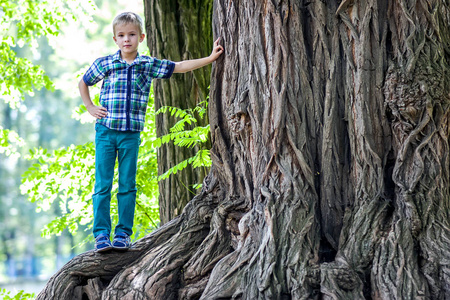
[
  {"x": 121, "y": 241},
  {"x": 102, "y": 243}
]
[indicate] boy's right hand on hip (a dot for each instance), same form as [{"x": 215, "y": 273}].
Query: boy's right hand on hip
[{"x": 97, "y": 112}]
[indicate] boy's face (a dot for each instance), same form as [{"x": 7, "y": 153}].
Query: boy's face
[{"x": 127, "y": 37}]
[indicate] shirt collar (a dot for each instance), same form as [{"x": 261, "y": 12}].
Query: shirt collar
[{"x": 117, "y": 57}]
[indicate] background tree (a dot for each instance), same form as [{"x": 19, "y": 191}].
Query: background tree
[
  {"x": 330, "y": 175},
  {"x": 178, "y": 30}
]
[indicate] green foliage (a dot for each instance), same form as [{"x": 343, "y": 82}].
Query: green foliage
[
  {"x": 66, "y": 175},
  {"x": 19, "y": 76},
  {"x": 182, "y": 137},
  {"x": 200, "y": 159},
  {"x": 32, "y": 19},
  {"x": 22, "y": 23},
  {"x": 9, "y": 142},
  {"x": 21, "y": 295}
]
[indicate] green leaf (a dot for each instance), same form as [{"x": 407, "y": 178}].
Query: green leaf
[{"x": 21, "y": 295}]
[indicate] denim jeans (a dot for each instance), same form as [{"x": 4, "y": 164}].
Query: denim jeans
[{"x": 109, "y": 145}]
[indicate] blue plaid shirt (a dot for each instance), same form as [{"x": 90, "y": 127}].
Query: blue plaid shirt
[{"x": 126, "y": 88}]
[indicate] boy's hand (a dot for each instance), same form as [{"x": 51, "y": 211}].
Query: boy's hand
[
  {"x": 193, "y": 64},
  {"x": 97, "y": 112},
  {"x": 217, "y": 50}
]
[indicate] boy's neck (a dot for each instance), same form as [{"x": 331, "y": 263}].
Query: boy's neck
[{"x": 128, "y": 57}]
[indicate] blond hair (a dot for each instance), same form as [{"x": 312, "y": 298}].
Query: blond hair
[{"x": 128, "y": 18}]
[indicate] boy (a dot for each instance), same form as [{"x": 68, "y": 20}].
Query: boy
[{"x": 124, "y": 94}]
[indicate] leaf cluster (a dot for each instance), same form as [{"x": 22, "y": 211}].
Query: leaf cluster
[
  {"x": 66, "y": 175},
  {"x": 9, "y": 142},
  {"x": 19, "y": 76},
  {"x": 181, "y": 136},
  {"x": 21, "y": 295},
  {"x": 24, "y": 22}
]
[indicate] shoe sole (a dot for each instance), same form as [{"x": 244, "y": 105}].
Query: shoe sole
[
  {"x": 104, "y": 249},
  {"x": 121, "y": 249}
]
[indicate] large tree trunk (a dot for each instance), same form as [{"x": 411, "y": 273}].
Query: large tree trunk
[
  {"x": 330, "y": 175},
  {"x": 178, "y": 30}
]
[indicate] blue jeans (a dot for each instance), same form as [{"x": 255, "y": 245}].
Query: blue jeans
[{"x": 109, "y": 145}]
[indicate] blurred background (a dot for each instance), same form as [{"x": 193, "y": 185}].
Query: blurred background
[{"x": 45, "y": 119}]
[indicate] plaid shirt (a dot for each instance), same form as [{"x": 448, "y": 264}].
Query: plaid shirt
[{"x": 126, "y": 88}]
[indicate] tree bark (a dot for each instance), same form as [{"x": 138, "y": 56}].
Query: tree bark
[
  {"x": 178, "y": 30},
  {"x": 330, "y": 176}
]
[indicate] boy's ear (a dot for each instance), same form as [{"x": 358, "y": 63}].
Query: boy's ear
[
  {"x": 142, "y": 38},
  {"x": 114, "y": 38}
]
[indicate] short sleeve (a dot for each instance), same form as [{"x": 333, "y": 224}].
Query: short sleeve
[
  {"x": 95, "y": 73},
  {"x": 162, "y": 68}
]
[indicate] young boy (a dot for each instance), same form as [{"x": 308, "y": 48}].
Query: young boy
[{"x": 124, "y": 95}]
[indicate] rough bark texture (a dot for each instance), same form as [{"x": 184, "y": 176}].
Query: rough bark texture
[
  {"x": 178, "y": 30},
  {"x": 330, "y": 175}
]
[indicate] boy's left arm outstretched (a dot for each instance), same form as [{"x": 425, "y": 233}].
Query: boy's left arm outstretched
[{"x": 193, "y": 64}]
